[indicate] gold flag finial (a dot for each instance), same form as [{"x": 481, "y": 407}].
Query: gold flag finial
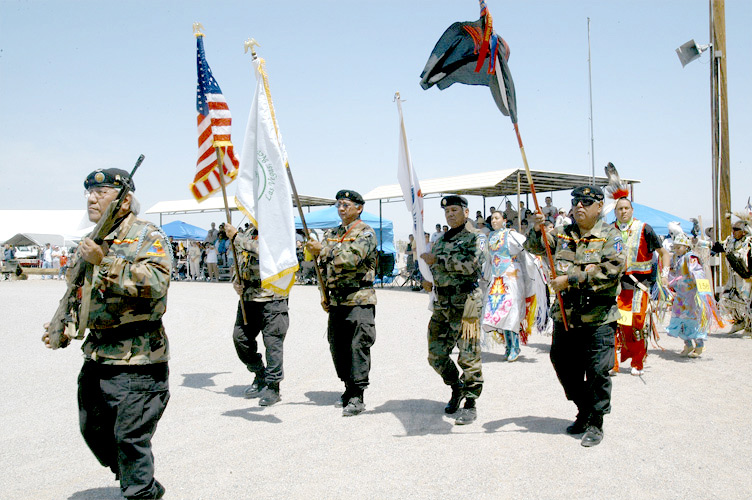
[
  {"x": 197, "y": 29},
  {"x": 249, "y": 45}
]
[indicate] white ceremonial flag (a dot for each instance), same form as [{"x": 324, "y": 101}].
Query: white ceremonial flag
[
  {"x": 264, "y": 193},
  {"x": 408, "y": 180}
]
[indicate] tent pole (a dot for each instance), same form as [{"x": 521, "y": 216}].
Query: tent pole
[{"x": 381, "y": 236}]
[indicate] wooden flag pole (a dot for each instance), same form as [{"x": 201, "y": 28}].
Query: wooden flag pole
[
  {"x": 249, "y": 45},
  {"x": 544, "y": 234},
  {"x": 221, "y": 167}
]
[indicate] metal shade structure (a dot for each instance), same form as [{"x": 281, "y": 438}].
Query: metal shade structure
[
  {"x": 40, "y": 240},
  {"x": 493, "y": 183},
  {"x": 216, "y": 204}
]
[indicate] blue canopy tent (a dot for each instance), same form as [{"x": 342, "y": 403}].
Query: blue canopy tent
[
  {"x": 657, "y": 219},
  {"x": 180, "y": 230},
  {"x": 328, "y": 217}
]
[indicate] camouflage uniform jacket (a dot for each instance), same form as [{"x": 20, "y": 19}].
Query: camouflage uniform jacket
[
  {"x": 348, "y": 260},
  {"x": 459, "y": 259},
  {"x": 591, "y": 296},
  {"x": 129, "y": 297},
  {"x": 247, "y": 246}
]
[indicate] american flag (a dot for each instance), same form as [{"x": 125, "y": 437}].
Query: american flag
[{"x": 214, "y": 124}]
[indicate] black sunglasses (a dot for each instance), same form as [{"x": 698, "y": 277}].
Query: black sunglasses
[{"x": 586, "y": 202}]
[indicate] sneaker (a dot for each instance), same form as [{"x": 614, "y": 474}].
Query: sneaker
[
  {"x": 593, "y": 436},
  {"x": 340, "y": 403},
  {"x": 344, "y": 398},
  {"x": 354, "y": 407},
  {"x": 636, "y": 372},
  {"x": 255, "y": 389},
  {"x": 269, "y": 396},
  {"x": 467, "y": 416}
]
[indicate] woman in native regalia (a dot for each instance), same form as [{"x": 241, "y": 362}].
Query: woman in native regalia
[
  {"x": 516, "y": 300},
  {"x": 694, "y": 309}
]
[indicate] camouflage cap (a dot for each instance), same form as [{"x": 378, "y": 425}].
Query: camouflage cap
[
  {"x": 349, "y": 194},
  {"x": 453, "y": 199},
  {"x": 110, "y": 177},
  {"x": 592, "y": 192}
]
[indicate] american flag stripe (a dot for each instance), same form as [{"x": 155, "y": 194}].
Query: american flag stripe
[{"x": 214, "y": 124}]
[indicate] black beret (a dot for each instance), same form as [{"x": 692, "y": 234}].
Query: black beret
[
  {"x": 349, "y": 194},
  {"x": 453, "y": 199},
  {"x": 110, "y": 177},
  {"x": 592, "y": 192}
]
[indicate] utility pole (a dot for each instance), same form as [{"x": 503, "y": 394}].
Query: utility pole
[{"x": 719, "y": 125}]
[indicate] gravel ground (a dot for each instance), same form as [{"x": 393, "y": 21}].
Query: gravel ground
[{"x": 680, "y": 431}]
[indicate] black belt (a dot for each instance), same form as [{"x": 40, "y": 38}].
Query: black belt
[
  {"x": 455, "y": 289},
  {"x": 126, "y": 330}
]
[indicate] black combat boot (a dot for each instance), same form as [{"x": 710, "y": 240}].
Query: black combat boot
[
  {"x": 270, "y": 395},
  {"x": 468, "y": 413},
  {"x": 594, "y": 432},
  {"x": 454, "y": 402},
  {"x": 256, "y": 387},
  {"x": 580, "y": 423}
]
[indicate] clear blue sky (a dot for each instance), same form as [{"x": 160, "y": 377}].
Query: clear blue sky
[{"x": 90, "y": 84}]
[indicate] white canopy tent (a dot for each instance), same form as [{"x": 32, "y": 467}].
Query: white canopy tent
[{"x": 71, "y": 224}]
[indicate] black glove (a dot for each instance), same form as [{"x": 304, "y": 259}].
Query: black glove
[{"x": 717, "y": 247}]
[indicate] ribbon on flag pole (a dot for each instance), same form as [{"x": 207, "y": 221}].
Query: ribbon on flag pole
[
  {"x": 263, "y": 190},
  {"x": 408, "y": 180}
]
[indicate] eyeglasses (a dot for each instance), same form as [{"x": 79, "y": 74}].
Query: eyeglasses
[
  {"x": 586, "y": 202},
  {"x": 345, "y": 204},
  {"x": 98, "y": 192},
  {"x": 737, "y": 229}
]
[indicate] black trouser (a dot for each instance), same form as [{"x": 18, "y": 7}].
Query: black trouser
[
  {"x": 271, "y": 319},
  {"x": 351, "y": 333},
  {"x": 582, "y": 357},
  {"x": 118, "y": 411}
]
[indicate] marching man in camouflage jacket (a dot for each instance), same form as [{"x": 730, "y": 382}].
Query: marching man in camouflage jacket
[
  {"x": 589, "y": 262},
  {"x": 348, "y": 258},
  {"x": 266, "y": 312},
  {"x": 456, "y": 260},
  {"x": 123, "y": 384}
]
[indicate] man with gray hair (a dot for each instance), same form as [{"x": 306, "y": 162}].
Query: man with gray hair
[{"x": 123, "y": 384}]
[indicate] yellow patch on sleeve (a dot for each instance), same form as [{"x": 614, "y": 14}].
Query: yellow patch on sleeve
[{"x": 156, "y": 250}]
